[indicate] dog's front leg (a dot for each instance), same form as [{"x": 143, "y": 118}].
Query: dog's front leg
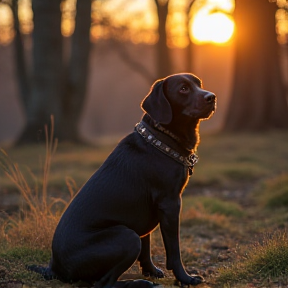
[
  {"x": 169, "y": 225},
  {"x": 148, "y": 268}
]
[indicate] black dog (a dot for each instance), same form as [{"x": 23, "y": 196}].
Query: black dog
[{"x": 107, "y": 226}]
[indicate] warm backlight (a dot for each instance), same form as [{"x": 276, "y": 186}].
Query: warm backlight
[{"x": 214, "y": 28}]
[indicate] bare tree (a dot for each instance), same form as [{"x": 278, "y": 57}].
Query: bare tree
[
  {"x": 259, "y": 98},
  {"x": 190, "y": 44},
  {"x": 45, "y": 97},
  {"x": 164, "y": 66},
  {"x": 21, "y": 63},
  {"x": 54, "y": 90},
  {"x": 77, "y": 73}
]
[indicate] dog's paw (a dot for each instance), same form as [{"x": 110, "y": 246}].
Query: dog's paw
[
  {"x": 196, "y": 279},
  {"x": 155, "y": 272}
]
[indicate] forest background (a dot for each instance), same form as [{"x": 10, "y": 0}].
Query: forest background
[{"x": 59, "y": 57}]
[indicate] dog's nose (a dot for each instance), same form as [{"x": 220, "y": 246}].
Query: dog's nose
[{"x": 209, "y": 97}]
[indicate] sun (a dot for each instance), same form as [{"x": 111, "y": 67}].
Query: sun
[
  {"x": 212, "y": 24},
  {"x": 217, "y": 28}
]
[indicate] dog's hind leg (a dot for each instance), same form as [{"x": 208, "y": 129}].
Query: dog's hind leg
[
  {"x": 132, "y": 244},
  {"x": 98, "y": 256}
]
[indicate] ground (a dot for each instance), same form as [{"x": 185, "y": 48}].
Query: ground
[{"x": 229, "y": 204}]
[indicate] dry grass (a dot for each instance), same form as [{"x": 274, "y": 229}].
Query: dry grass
[
  {"x": 33, "y": 226},
  {"x": 77, "y": 161},
  {"x": 199, "y": 216}
]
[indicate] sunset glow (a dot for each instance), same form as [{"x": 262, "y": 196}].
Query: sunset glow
[
  {"x": 137, "y": 21},
  {"x": 6, "y": 28},
  {"x": 212, "y": 22},
  {"x": 68, "y": 17},
  {"x": 217, "y": 28},
  {"x": 25, "y": 15}
]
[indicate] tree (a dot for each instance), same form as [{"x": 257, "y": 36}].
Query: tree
[
  {"x": 55, "y": 90},
  {"x": 163, "y": 59},
  {"x": 259, "y": 98},
  {"x": 45, "y": 97},
  {"x": 77, "y": 73},
  {"x": 118, "y": 35},
  {"x": 21, "y": 63},
  {"x": 189, "y": 48}
]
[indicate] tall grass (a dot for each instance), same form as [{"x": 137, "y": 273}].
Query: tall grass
[
  {"x": 264, "y": 261},
  {"x": 34, "y": 224}
]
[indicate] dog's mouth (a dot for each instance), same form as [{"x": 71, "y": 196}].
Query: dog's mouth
[
  {"x": 207, "y": 115},
  {"x": 209, "y": 110},
  {"x": 204, "y": 113},
  {"x": 212, "y": 109}
]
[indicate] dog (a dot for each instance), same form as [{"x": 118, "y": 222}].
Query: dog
[{"x": 108, "y": 224}]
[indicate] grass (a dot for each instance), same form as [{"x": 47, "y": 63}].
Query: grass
[
  {"x": 15, "y": 259},
  {"x": 33, "y": 226},
  {"x": 248, "y": 155},
  {"x": 210, "y": 213},
  {"x": 228, "y": 160},
  {"x": 77, "y": 162},
  {"x": 213, "y": 205},
  {"x": 273, "y": 192},
  {"x": 237, "y": 194},
  {"x": 264, "y": 261}
]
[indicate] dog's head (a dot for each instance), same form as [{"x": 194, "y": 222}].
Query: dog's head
[{"x": 178, "y": 96}]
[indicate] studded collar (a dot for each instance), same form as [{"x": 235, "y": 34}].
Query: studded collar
[{"x": 145, "y": 131}]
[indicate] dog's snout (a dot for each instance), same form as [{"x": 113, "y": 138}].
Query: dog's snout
[{"x": 209, "y": 97}]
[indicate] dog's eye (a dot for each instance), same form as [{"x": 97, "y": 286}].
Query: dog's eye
[{"x": 184, "y": 89}]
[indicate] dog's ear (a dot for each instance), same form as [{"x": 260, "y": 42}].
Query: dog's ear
[{"x": 156, "y": 104}]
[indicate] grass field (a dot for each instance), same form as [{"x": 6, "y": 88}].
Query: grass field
[{"x": 233, "y": 222}]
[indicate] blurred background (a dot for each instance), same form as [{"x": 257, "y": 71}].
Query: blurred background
[{"x": 90, "y": 63}]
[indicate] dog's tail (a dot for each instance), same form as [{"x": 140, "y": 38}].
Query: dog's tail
[{"x": 46, "y": 272}]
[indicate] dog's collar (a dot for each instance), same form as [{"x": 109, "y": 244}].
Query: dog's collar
[
  {"x": 166, "y": 131},
  {"x": 188, "y": 161}
]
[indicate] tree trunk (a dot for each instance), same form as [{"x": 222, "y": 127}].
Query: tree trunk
[
  {"x": 77, "y": 73},
  {"x": 163, "y": 58},
  {"x": 45, "y": 98},
  {"x": 259, "y": 98},
  {"x": 189, "y": 48},
  {"x": 21, "y": 66}
]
